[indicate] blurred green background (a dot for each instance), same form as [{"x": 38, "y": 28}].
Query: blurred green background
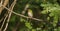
[{"x": 47, "y": 10}]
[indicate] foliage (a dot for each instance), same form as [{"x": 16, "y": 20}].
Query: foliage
[{"x": 47, "y": 10}]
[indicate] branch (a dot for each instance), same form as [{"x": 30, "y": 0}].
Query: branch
[
  {"x": 25, "y": 9},
  {"x": 3, "y": 22},
  {"x": 23, "y": 15},
  {"x": 4, "y": 4},
  {"x": 11, "y": 8}
]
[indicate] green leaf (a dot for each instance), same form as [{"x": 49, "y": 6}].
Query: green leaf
[
  {"x": 55, "y": 29},
  {"x": 33, "y": 30},
  {"x": 22, "y": 20},
  {"x": 44, "y": 30},
  {"x": 27, "y": 24},
  {"x": 44, "y": 12},
  {"x": 58, "y": 28},
  {"x": 51, "y": 14},
  {"x": 55, "y": 21},
  {"x": 48, "y": 18},
  {"x": 39, "y": 29}
]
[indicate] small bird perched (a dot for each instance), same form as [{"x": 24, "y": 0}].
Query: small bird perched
[{"x": 30, "y": 13}]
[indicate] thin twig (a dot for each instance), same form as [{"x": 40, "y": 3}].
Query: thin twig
[
  {"x": 23, "y": 15},
  {"x": 3, "y": 22},
  {"x": 4, "y": 4},
  {"x": 26, "y": 7},
  {"x": 4, "y": 19},
  {"x": 11, "y": 8}
]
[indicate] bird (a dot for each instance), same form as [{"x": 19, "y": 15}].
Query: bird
[{"x": 30, "y": 13}]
